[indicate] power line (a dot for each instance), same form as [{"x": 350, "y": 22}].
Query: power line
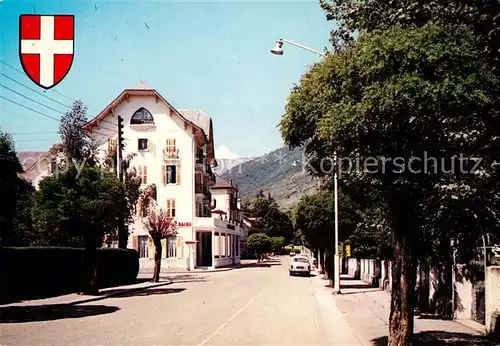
[
  {"x": 31, "y": 109},
  {"x": 24, "y": 74},
  {"x": 32, "y": 100},
  {"x": 34, "y": 90}
]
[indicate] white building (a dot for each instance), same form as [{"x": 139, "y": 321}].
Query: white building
[{"x": 175, "y": 151}]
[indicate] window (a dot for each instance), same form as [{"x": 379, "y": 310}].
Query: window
[
  {"x": 223, "y": 247},
  {"x": 229, "y": 244},
  {"x": 142, "y": 116},
  {"x": 170, "y": 148},
  {"x": 217, "y": 245},
  {"x": 171, "y": 174},
  {"x": 111, "y": 144},
  {"x": 142, "y": 171},
  {"x": 171, "y": 207},
  {"x": 300, "y": 259},
  {"x": 171, "y": 247},
  {"x": 237, "y": 247},
  {"x": 142, "y": 144}
]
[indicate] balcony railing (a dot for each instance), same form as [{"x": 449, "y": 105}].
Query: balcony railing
[{"x": 169, "y": 154}]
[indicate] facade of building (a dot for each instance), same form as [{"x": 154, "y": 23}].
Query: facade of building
[
  {"x": 173, "y": 149},
  {"x": 36, "y": 165}
]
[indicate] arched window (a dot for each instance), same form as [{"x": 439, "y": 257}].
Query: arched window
[{"x": 142, "y": 116}]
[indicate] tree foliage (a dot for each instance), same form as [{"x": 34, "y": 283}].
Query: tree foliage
[
  {"x": 15, "y": 195},
  {"x": 82, "y": 203},
  {"x": 76, "y": 145},
  {"x": 407, "y": 95},
  {"x": 259, "y": 243},
  {"x": 269, "y": 219}
]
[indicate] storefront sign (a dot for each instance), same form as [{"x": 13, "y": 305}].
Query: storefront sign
[{"x": 183, "y": 224}]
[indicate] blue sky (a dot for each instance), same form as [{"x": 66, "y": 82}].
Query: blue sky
[{"x": 210, "y": 55}]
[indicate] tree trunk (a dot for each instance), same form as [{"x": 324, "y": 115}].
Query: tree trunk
[
  {"x": 122, "y": 234},
  {"x": 322, "y": 260},
  {"x": 158, "y": 250},
  {"x": 89, "y": 284},
  {"x": 403, "y": 289}
]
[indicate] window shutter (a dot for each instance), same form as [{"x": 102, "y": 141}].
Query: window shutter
[
  {"x": 163, "y": 174},
  {"x": 178, "y": 170},
  {"x": 139, "y": 208},
  {"x": 139, "y": 172},
  {"x": 168, "y": 208},
  {"x": 145, "y": 172}
]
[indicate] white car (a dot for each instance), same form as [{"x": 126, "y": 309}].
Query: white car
[{"x": 300, "y": 265}]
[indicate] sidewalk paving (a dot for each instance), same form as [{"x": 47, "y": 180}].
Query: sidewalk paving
[
  {"x": 367, "y": 311},
  {"x": 147, "y": 265},
  {"x": 75, "y": 298}
]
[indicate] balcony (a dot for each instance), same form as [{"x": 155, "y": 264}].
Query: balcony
[
  {"x": 169, "y": 154},
  {"x": 209, "y": 222}
]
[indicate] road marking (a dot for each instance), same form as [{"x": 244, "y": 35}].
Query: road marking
[{"x": 229, "y": 320}]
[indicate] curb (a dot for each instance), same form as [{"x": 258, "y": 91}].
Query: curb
[
  {"x": 77, "y": 301},
  {"x": 114, "y": 294},
  {"x": 198, "y": 271}
]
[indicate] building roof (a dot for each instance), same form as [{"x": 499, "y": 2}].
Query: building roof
[
  {"x": 30, "y": 158},
  {"x": 142, "y": 85},
  {"x": 221, "y": 183},
  {"x": 200, "y": 121},
  {"x": 198, "y": 117},
  {"x": 30, "y": 161}
]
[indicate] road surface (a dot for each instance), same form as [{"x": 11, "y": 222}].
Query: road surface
[{"x": 259, "y": 305}]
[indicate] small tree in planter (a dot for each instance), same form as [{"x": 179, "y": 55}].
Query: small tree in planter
[{"x": 160, "y": 226}]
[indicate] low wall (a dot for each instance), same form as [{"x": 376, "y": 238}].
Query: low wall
[{"x": 492, "y": 296}]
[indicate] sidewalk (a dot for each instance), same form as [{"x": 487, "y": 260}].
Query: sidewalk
[
  {"x": 146, "y": 267},
  {"x": 367, "y": 311},
  {"x": 74, "y": 298},
  {"x": 334, "y": 328}
]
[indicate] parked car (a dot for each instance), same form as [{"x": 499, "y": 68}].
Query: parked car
[
  {"x": 292, "y": 254},
  {"x": 300, "y": 265}
]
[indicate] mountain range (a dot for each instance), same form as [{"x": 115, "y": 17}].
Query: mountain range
[{"x": 279, "y": 173}]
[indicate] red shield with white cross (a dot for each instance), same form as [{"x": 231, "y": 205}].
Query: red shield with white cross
[{"x": 46, "y": 47}]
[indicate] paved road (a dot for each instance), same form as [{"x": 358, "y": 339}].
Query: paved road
[{"x": 248, "y": 306}]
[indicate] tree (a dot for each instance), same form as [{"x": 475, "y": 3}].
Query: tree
[
  {"x": 76, "y": 145},
  {"x": 259, "y": 243},
  {"x": 83, "y": 203},
  {"x": 480, "y": 17},
  {"x": 269, "y": 219},
  {"x": 398, "y": 93},
  {"x": 14, "y": 191},
  {"x": 277, "y": 244},
  {"x": 160, "y": 226}
]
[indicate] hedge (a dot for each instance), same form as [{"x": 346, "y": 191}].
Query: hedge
[{"x": 40, "y": 272}]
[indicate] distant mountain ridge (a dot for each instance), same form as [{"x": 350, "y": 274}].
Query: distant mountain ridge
[
  {"x": 224, "y": 165},
  {"x": 279, "y": 173}
]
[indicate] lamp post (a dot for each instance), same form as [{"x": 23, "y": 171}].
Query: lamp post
[{"x": 278, "y": 50}]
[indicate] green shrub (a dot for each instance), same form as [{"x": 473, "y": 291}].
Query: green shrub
[{"x": 38, "y": 272}]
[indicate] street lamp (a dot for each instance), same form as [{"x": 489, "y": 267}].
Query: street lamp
[{"x": 278, "y": 50}]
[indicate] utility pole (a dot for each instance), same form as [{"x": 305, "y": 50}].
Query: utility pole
[
  {"x": 119, "y": 149},
  {"x": 122, "y": 229}
]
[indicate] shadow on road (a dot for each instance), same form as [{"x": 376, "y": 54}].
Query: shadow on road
[
  {"x": 184, "y": 278},
  {"x": 146, "y": 292},
  {"x": 435, "y": 337},
  {"x": 21, "y": 314},
  {"x": 359, "y": 285}
]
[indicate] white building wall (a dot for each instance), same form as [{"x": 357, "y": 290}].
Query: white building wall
[{"x": 167, "y": 126}]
